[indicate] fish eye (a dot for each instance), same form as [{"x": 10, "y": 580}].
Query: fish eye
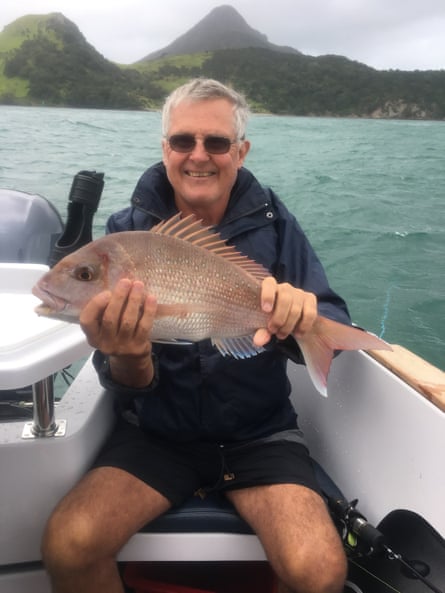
[{"x": 84, "y": 273}]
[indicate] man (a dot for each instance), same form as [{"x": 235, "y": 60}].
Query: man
[{"x": 190, "y": 418}]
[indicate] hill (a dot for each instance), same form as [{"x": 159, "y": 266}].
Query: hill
[
  {"x": 45, "y": 59},
  {"x": 222, "y": 28}
]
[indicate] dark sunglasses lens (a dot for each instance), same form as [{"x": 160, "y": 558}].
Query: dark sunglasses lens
[
  {"x": 212, "y": 144},
  {"x": 217, "y": 144},
  {"x": 182, "y": 142}
]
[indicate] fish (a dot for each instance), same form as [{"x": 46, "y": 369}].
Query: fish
[{"x": 204, "y": 287}]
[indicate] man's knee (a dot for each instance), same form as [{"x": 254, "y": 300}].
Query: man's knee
[
  {"x": 314, "y": 571},
  {"x": 68, "y": 542},
  {"x": 332, "y": 574}
]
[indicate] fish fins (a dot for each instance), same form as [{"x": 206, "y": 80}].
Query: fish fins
[
  {"x": 327, "y": 336},
  {"x": 240, "y": 348},
  {"x": 173, "y": 342},
  {"x": 193, "y": 231}
]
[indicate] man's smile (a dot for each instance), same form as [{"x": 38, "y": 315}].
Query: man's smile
[{"x": 199, "y": 173}]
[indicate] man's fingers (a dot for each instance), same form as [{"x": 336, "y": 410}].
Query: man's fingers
[
  {"x": 286, "y": 313},
  {"x": 292, "y": 310},
  {"x": 90, "y": 317},
  {"x": 148, "y": 312},
  {"x": 268, "y": 294},
  {"x": 131, "y": 309},
  {"x": 120, "y": 322},
  {"x": 308, "y": 315},
  {"x": 262, "y": 337}
]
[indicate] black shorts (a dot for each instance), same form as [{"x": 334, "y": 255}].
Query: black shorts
[{"x": 178, "y": 470}]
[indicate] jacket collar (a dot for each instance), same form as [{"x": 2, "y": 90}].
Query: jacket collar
[{"x": 249, "y": 205}]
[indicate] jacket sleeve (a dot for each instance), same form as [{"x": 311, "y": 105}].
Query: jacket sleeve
[
  {"x": 101, "y": 364},
  {"x": 299, "y": 265}
]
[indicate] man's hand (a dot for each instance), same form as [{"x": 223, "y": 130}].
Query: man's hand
[
  {"x": 293, "y": 311},
  {"x": 118, "y": 323}
]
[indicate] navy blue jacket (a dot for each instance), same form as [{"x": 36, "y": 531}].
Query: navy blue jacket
[{"x": 198, "y": 393}]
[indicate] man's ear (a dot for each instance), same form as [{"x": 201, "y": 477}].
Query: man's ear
[{"x": 242, "y": 152}]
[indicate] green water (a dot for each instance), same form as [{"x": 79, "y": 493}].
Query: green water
[{"x": 369, "y": 193}]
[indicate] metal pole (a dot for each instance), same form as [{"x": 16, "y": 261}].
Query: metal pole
[{"x": 44, "y": 423}]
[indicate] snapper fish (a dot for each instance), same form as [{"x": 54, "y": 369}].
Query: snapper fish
[{"x": 204, "y": 288}]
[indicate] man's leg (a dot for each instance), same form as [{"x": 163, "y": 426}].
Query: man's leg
[
  {"x": 91, "y": 524},
  {"x": 297, "y": 533}
]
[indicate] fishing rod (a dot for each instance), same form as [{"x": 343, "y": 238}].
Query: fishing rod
[{"x": 363, "y": 539}]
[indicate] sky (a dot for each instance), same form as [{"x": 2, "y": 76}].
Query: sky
[{"x": 384, "y": 34}]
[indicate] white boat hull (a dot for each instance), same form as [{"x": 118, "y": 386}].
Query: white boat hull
[{"x": 379, "y": 439}]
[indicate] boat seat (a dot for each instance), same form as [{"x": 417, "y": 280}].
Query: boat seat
[
  {"x": 215, "y": 513},
  {"x": 204, "y": 530}
]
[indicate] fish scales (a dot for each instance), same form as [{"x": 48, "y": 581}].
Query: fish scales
[{"x": 219, "y": 298}]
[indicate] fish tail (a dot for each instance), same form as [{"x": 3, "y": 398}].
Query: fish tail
[{"x": 327, "y": 336}]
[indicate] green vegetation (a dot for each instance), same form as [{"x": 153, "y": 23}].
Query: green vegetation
[
  {"x": 46, "y": 60},
  {"x": 328, "y": 85},
  {"x": 58, "y": 67}
]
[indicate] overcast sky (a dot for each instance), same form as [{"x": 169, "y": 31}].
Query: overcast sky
[{"x": 385, "y": 34}]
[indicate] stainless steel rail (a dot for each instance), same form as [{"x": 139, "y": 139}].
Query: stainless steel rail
[{"x": 44, "y": 422}]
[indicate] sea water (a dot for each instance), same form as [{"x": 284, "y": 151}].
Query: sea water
[{"x": 368, "y": 193}]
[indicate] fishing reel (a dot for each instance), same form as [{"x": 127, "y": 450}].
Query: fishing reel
[
  {"x": 363, "y": 540},
  {"x": 359, "y": 537}
]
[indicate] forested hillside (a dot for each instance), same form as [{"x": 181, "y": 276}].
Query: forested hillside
[{"x": 46, "y": 60}]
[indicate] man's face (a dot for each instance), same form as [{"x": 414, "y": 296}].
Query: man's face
[{"x": 203, "y": 181}]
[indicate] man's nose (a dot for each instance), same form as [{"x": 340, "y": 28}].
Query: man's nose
[{"x": 199, "y": 151}]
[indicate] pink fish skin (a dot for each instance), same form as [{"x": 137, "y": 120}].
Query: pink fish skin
[{"x": 204, "y": 289}]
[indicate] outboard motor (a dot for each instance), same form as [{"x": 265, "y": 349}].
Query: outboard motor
[
  {"x": 32, "y": 230},
  {"x": 29, "y": 227}
]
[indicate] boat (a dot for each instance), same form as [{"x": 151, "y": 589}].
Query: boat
[{"x": 378, "y": 442}]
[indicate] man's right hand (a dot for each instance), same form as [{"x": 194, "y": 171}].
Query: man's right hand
[{"x": 119, "y": 323}]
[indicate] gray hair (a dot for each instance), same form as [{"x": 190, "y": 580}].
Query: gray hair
[{"x": 202, "y": 89}]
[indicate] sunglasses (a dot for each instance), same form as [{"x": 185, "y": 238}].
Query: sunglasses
[{"x": 212, "y": 144}]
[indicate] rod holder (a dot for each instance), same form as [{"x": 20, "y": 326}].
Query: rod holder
[{"x": 44, "y": 422}]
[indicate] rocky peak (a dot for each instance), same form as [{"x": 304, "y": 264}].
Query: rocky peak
[{"x": 222, "y": 28}]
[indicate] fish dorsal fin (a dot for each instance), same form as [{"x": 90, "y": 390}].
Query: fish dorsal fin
[{"x": 193, "y": 231}]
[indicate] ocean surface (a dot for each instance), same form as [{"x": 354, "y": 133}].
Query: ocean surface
[{"x": 370, "y": 195}]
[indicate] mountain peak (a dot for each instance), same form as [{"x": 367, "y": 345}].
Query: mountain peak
[
  {"x": 225, "y": 18},
  {"x": 222, "y": 28},
  {"x": 53, "y": 25}
]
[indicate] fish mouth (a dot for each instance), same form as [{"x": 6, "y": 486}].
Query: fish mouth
[
  {"x": 51, "y": 304},
  {"x": 44, "y": 310}
]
